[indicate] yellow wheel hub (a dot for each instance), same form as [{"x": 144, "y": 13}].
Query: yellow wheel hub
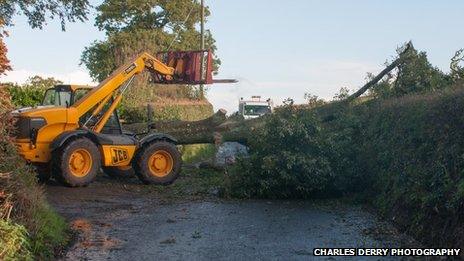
[
  {"x": 160, "y": 163},
  {"x": 80, "y": 162}
]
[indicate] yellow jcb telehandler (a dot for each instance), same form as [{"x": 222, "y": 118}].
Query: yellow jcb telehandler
[{"x": 77, "y": 131}]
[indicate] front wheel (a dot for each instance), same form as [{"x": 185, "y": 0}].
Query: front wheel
[
  {"x": 158, "y": 163},
  {"x": 77, "y": 162}
]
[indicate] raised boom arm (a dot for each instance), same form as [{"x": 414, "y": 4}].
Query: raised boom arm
[
  {"x": 106, "y": 89},
  {"x": 179, "y": 67}
]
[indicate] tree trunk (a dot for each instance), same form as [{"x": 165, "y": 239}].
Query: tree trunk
[
  {"x": 379, "y": 76},
  {"x": 215, "y": 129}
]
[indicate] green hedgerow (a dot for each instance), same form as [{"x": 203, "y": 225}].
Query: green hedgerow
[
  {"x": 14, "y": 242},
  {"x": 22, "y": 200}
]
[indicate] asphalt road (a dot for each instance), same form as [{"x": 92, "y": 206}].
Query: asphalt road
[{"x": 121, "y": 221}]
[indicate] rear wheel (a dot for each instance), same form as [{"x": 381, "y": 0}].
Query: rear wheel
[
  {"x": 76, "y": 164},
  {"x": 119, "y": 172},
  {"x": 158, "y": 163}
]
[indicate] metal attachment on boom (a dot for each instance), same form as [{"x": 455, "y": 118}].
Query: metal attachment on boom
[{"x": 187, "y": 67}]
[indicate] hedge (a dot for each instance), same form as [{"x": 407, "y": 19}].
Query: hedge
[{"x": 405, "y": 156}]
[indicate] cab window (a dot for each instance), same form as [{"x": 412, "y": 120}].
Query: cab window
[
  {"x": 57, "y": 98},
  {"x": 112, "y": 126},
  {"x": 79, "y": 93}
]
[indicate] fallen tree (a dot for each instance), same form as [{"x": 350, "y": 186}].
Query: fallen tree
[{"x": 218, "y": 128}]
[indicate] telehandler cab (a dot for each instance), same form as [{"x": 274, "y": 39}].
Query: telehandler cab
[{"x": 77, "y": 131}]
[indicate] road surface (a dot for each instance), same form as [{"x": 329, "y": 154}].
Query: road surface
[{"x": 123, "y": 220}]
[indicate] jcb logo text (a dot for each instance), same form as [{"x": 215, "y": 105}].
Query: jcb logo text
[{"x": 119, "y": 155}]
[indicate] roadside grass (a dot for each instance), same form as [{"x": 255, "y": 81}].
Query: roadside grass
[
  {"x": 46, "y": 230},
  {"x": 52, "y": 232},
  {"x": 196, "y": 153}
]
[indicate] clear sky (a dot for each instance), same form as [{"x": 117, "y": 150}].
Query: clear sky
[{"x": 275, "y": 49}]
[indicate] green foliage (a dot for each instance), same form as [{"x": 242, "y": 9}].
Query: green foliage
[
  {"x": 32, "y": 92},
  {"x": 414, "y": 75},
  {"x": 37, "y": 11},
  {"x": 103, "y": 57},
  {"x": 137, "y": 26},
  {"x": 313, "y": 101},
  {"x": 402, "y": 152},
  {"x": 457, "y": 71},
  {"x": 289, "y": 158},
  {"x": 132, "y": 114},
  {"x": 46, "y": 229},
  {"x": 412, "y": 148},
  {"x": 298, "y": 154},
  {"x": 418, "y": 75},
  {"x": 23, "y": 97},
  {"x": 14, "y": 242},
  {"x": 119, "y": 15},
  {"x": 197, "y": 152},
  {"x": 342, "y": 130},
  {"x": 51, "y": 232},
  {"x": 20, "y": 192},
  {"x": 342, "y": 94},
  {"x": 144, "y": 26},
  {"x": 403, "y": 155}
]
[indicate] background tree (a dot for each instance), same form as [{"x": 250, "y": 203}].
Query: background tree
[
  {"x": 30, "y": 93},
  {"x": 313, "y": 101},
  {"x": 342, "y": 94},
  {"x": 419, "y": 75},
  {"x": 457, "y": 70},
  {"x": 37, "y": 11},
  {"x": 4, "y": 61},
  {"x": 136, "y": 26},
  {"x": 415, "y": 75}
]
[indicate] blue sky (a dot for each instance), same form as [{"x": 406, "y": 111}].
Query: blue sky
[{"x": 275, "y": 50}]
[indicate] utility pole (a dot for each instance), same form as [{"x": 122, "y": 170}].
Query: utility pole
[{"x": 202, "y": 44}]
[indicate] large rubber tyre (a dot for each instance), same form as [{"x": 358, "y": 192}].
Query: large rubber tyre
[
  {"x": 119, "y": 172},
  {"x": 158, "y": 163},
  {"x": 76, "y": 163},
  {"x": 43, "y": 172}
]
